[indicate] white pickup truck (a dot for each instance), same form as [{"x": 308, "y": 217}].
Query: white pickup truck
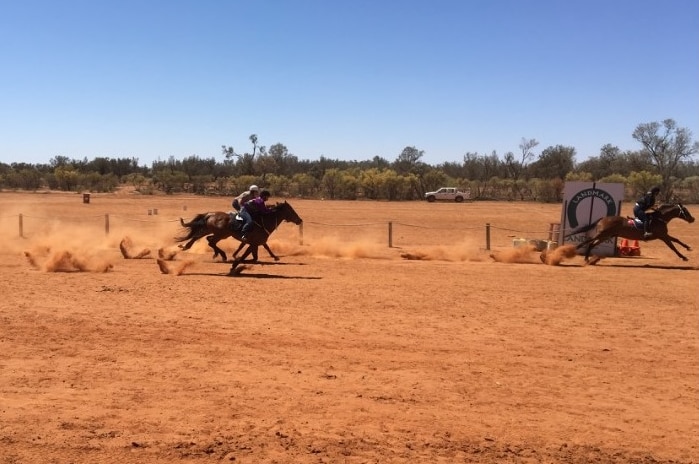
[{"x": 448, "y": 194}]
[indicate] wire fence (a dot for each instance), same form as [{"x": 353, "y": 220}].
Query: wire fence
[{"x": 393, "y": 231}]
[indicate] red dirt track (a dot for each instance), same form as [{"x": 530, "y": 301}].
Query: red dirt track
[{"x": 344, "y": 351}]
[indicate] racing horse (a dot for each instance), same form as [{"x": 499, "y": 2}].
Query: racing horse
[
  {"x": 617, "y": 226},
  {"x": 217, "y": 225}
]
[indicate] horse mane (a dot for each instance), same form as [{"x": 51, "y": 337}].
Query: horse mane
[{"x": 668, "y": 206}]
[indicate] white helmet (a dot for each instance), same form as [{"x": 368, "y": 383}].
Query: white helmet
[{"x": 254, "y": 188}]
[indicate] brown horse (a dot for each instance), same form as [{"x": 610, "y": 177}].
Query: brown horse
[
  {"x": 617, "y": 226},
  {"x": 216, "y": 226}
]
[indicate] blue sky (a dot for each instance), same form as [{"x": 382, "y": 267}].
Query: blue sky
[{"x": 346, "y": 80}]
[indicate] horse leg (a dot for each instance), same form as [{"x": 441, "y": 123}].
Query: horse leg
[
  {"x": 237, "y": 261},
  {"x": 240, "y": 247},
  {"x": 276, "y": 258},
  {"x": 591, "y": 244},
  {"x": 677, "y": 240},
  {"x": 189, "y": 244},
  {"x": 213, "y": 240},
  {"x": 194, "y": 238},
  {"x": 668, "y": 241}
]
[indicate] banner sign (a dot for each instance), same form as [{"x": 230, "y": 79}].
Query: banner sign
[{"x": 585, "y": 203}]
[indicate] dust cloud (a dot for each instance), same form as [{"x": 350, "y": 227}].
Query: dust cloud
[
  {"x": 558, "y": 255},
  {"x": 63, "y": 260},
  {"x": 526, "y": 254},
  {"x": 174, "y": 267},
  {"x": 126, "y": 247},
  {"x": 460, "y": 252}
]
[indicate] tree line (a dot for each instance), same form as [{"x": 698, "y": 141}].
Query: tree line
[{"x": 666, "y": 157}]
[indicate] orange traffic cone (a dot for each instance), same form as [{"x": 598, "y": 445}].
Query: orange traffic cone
[
  {"x": 636, "y": 250},
  {"x": 624, "y": 243}
]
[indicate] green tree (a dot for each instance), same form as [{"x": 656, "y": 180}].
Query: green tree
[
  {"x": 331, "y": 182},
  {"x": 554, "y": 162},
  {"x": 639, "y": 182},
  {"x": 667, "y": 145},
  {"x": 516, "y": 166},
  {"x": 408, "y": 160}
]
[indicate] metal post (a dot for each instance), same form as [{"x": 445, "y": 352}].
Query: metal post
[
  {"x": 487, "y": 236},
  {"x": 106, "y": 224},
  {"x": 21, "y": 226},
  {"x": 301, "y": 234},
  {"x": 390, "y": 234}
]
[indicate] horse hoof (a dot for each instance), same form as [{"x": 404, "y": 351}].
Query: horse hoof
[{"x": 276, "y": 258}]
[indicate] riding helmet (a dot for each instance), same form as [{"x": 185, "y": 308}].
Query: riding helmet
[
  {"x": 655, "y": 190},
  {"x": 265, "y": 193},
  {"x": 254, "y": 188}
]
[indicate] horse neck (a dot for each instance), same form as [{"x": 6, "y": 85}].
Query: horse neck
[
  {"x": 271, "y": 221},
  {"x": 669, "y": 212}
]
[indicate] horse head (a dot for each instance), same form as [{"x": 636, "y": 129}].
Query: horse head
[
  {"x": 287, "y": 213},
  {"x": 684, "y": 213},
  {"x": 675, "y": 210}
]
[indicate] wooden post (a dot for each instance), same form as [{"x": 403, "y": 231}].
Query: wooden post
[
  {"x": 106, "y": 224},
  {"x": 487, "y": 236},
  {"x": 21, "y": 226},
  {"x": 390, "y": 235},
  {"x": 301, "y": 234},
  {"x": 554, "y": 231}
]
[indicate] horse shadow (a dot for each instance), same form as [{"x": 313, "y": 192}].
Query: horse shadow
[
  {"x": 270, "y": 276},
  {"x": 649, "y": 266}
]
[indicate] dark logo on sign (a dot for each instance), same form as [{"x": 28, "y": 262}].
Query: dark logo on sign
[{"x": 593, "y": 193}]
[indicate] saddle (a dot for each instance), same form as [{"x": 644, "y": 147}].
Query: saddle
[
  {"x": 236, "y": 222},
  {"x": 635, "y": 222}
]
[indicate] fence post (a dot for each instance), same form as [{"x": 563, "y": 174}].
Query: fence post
[
  {"x": 301, "y": 234},
  {"x": 106, "y": 224},
  {"x": 390, "y": 234},
  {"x": 21, "y": 226},
  {"x": 487, "y": 236}
]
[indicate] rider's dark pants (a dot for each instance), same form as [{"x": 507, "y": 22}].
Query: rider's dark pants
[{"x": 640, "y": 213}]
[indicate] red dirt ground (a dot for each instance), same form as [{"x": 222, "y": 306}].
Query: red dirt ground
[{"x": 346, "y": 350}]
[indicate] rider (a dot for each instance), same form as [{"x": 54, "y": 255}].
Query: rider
[
  {"x": 244, "y": 197},
  {"x": 644, "y": 203},
  {"x": 253, "y": 206}
]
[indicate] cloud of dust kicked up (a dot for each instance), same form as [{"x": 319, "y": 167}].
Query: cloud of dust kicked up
[
  {"x": 526, "y": 254},
  {"x": 65, "y": 248},
  {"x": 560, "y": 254},
  {"x": 333, "y": 247}
]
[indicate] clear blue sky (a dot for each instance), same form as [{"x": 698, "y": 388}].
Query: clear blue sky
[{"x": 345, "y": 79}]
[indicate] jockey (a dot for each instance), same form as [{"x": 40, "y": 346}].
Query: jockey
[
  {"x": 643, "y": 204},
  {"x": 244, "y": 197},
  {"x": 254, "y": 206}
]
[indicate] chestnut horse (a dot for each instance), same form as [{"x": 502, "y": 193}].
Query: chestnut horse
[
  {"x": 617, "y": 226},
  {"x": 217, "y": 225}
]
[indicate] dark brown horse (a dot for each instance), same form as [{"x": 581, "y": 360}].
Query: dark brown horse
[
  {"x": 617, "y": 226},
  {"x": 217, "y": 225}
]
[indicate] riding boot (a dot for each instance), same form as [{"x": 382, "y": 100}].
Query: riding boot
[{"x": 646, "y": 234}]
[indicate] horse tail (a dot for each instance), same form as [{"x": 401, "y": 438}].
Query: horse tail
[
  {"x": 199, "y": 219},
  {"x": 583, "y": 228},
  {"x": 194, "y": 226}
]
